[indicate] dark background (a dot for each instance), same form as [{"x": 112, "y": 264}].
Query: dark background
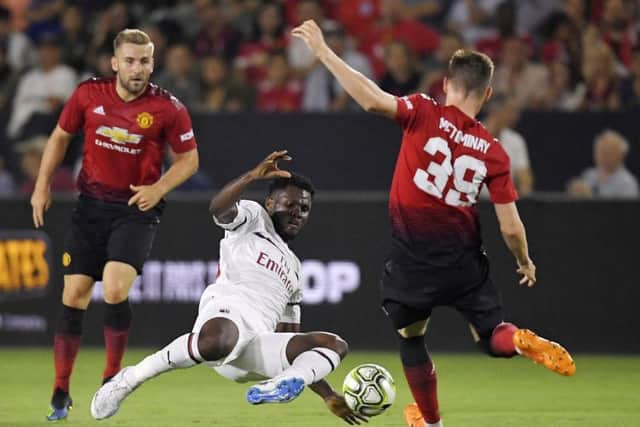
[
  {"x": 586, "y": 252},
  {"x": 356, "y": 152}
]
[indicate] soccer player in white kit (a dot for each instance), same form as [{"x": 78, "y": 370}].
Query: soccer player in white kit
[{"x": 248, "y": 324}]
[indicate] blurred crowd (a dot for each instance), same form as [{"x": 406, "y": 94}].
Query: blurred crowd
[{"x": 238, "y": 55}]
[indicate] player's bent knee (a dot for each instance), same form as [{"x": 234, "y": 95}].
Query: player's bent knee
[
  {"x": 76, "y": 297},
  {"x": 115, "y": 294},
  {"x": 331, "y": 341},
  {"x": 217, "y": 338},
  {"x": 341, "y": 347}
]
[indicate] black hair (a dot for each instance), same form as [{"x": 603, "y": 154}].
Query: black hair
[
  {"x": 302, "y": 182},
  {"x": 5, "y": 14}
]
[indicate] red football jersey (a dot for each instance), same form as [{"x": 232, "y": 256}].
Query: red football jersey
[
  {"x": 124, "y": 142},
  {"x": 445, "y": 159}
]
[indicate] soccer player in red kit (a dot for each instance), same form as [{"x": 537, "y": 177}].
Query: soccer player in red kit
[
  {"x": 437, "y": 257},
  {"x": 126, "y": 122}
]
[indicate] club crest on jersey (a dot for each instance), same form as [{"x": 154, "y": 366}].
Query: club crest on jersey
[
  {"x": 145, "y": 120},
  {"x": 119, "y": 135}
]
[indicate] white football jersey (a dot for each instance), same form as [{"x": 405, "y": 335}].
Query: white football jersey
[{"x": 257, "y": 265}]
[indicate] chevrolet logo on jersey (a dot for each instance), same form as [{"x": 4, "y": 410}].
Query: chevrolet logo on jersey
[{"x": 119, "y": 135}]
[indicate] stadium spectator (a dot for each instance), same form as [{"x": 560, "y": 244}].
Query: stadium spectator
[
  {"x": 301, "y": 59},
  {"x": 393, "y": 26},
  {"x": 435, "y": 66},
  {"x": 18, "y": 47},
  {"x": 8, "y": 81},
  {"x": 7, "y": 184},
  {"x": 576, "y": 11},
  {"x": 101, "y": 66},
  {"x": 471, "y": 18},
  {"x": 279, "y": 91},
  {"x": 239, "y": 15},
  {"x": 43, "y": 89},
  {"x": 630, "y": 89},
  {"x": 429, "y": 12},
  {"x": 504, "y": 114},
  {"x": 560, "y": 93},
  {"x": 564, "y": 44},
  {"x": 503, "y": 27},
  {"x": 618, "y": 29},
  {"x": 177, "y": 76},
  {"x": 74, "y": 39},
  {"x": 401, "y": 77},
  {"x": 109, "y": 22},
  {"x": 31, "y": 152},
  {"x": 609, "y": 178},
  {"x": 601, "y": 81},
  {"x": 517, "y": 76},
  {"x": 292, "y": 14},
  {"x": 43, "y": 17},
  {"x": 216, "y": 36},
  {"x": 358, "y": 16},
  {"x": 268, "y": 37},
  {"x": 322, "y": 92},
  {"x": 219, "y": 90},
  {"x": 530, "y": 14}
]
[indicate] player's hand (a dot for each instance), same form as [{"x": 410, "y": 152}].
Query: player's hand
[
  {"x": 312, "y": 36},
  {"x": 146, "y": 196},
  {"x": 338, "y": 406},
  {"x": 268, "y": 168},
  {"x": 40, "y": 202},
  {"x": 528, "y": 271}
]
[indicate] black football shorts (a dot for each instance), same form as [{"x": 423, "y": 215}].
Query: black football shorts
[
  {"x": 106, "y": 231},
  {"x": 409, "y": 294}
]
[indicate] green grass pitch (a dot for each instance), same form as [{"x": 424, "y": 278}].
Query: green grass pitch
[{"x": 474, "y": 391}]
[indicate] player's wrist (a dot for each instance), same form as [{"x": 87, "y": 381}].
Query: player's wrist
[
  {"x": 330, "y": 395},
  {"x": 323, "y": 52},
  {"x": 525, "y": 263},
  {"x": 41, "y": 187}
]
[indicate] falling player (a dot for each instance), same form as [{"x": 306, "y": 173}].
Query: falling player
[
  {"x": 126, "y": 122},
  {"x": 437, "y": 257},
  {"x": 248, "y": 324}
]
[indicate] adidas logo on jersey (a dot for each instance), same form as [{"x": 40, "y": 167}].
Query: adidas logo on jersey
[{"x": 99, "y": 110}]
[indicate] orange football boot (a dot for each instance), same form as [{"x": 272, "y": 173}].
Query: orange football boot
[
  {"x": 413, "y": 417},
  {"x": 544, "y": 352}
]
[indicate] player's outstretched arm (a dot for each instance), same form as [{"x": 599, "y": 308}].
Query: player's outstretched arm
[
  {"x": 53, "y": 155},
  {"x": 364, "y": 91},
  {"x": 223, "y": 204},
  {"x": 515, "y": 237}
]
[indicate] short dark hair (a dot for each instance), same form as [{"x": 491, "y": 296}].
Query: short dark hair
[
  {"x": 5, "y": 14},
  {"x": 300, "y": 181},
  {"x": 472, "y": 70}
]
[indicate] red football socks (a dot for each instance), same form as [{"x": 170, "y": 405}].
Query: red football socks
[
  {"x": 423, "y": 384},
  {"x": 65, "y": 349}
]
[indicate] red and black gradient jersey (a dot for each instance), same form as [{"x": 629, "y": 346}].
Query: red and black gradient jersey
[
  {"x": 445, "y": 159},
  {"x": 124, "y": 142}
]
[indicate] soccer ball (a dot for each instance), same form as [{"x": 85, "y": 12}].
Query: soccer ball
[{"x": 369, "y": 389}]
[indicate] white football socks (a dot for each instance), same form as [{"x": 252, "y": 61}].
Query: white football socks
[
  {"x": 313, "y": 365},
  {"x": 181, "y": 353}
]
